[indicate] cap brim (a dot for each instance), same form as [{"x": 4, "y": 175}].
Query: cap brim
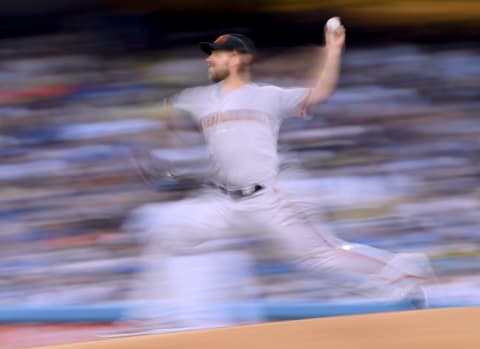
[{"x": 207, "y": 47}]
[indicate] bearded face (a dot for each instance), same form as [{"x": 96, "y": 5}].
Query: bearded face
[
  {"x": 218, "y": 73},
  {"x": 219, "y": 65}
]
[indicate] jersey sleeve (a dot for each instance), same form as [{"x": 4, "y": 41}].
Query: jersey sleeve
[
  {"x": 181, "y": 100},
  {"x": 293, "y": 101},
  {"x": 189, "y": 101}
]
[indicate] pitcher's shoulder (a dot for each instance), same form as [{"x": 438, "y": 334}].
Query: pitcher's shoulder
[{"x": 201, "y": 90}]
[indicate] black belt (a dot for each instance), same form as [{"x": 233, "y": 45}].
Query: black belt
[{"x": 240, "y": 193}]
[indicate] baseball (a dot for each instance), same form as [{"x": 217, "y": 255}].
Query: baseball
[{"x": 333, "y": 24}]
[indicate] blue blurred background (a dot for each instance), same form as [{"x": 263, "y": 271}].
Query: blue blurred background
[{"x": 392, "y": 158}]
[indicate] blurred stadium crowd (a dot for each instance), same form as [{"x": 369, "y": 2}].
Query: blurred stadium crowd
[{"x": 391, "y": 160}]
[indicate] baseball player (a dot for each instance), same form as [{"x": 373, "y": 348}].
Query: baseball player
[{"x": 240, "y": 120}]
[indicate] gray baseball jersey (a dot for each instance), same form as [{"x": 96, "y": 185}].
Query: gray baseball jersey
[{"x": 241, "y": 128}]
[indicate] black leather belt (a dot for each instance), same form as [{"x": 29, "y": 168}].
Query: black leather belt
[{"x": 240, "y": 193}]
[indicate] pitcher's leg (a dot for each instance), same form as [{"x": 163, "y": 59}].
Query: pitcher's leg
[
  {"x": 181, "y": 272},
  {"x": 207, "y": 284},
  {"x": 320, "y": 251}
]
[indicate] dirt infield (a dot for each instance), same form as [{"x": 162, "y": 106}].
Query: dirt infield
[{"x": 437, "y": 329}]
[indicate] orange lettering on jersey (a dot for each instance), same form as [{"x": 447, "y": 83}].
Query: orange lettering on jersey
[{"x": 232, "y": 116}]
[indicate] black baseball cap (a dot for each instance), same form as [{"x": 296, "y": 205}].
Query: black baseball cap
[{"x": 229, "y": 42}]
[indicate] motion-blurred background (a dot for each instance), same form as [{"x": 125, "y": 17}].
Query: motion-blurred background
[{"x": 392, "y": 158}]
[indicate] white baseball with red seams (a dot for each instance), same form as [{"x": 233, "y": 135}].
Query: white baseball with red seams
[{"x": 333, "y": 24}]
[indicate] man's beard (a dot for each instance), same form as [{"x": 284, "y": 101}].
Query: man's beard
[{"x": 219, "y": 75}]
